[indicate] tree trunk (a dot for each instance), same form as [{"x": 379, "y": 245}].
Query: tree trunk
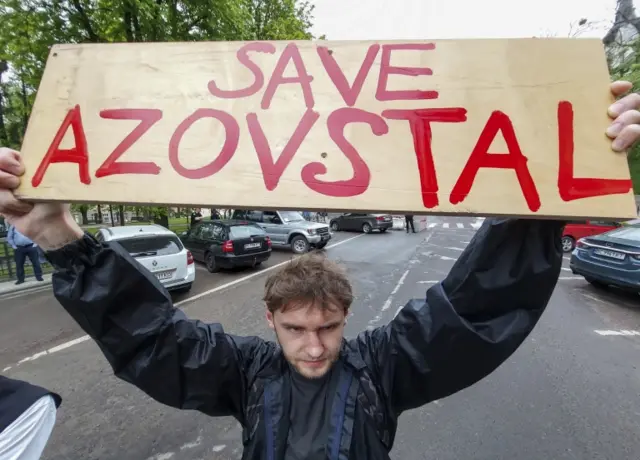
[
  {"x": 84, "y": 212},
  {"x": 121, "y": 212},
  {"x": 111, "y": 214},
  {"x": 99, "y": 214}
]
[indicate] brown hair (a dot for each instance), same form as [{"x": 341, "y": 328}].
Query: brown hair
[{"x": 311, "y": 279}]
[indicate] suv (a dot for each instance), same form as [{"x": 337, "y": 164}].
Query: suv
[
  {"x": 157, "y": 249},
  {"x": 288, "y": 229}
]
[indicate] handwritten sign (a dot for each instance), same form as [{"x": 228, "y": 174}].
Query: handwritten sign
[{"x": 491, "y": 127}]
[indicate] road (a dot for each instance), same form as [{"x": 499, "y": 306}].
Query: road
[{"x": 570, "y": 392}]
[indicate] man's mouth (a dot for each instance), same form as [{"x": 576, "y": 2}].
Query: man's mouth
[{"x": 314, "y": 364}]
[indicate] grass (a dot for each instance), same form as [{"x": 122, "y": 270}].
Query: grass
[{"x": 176, "y": 224}]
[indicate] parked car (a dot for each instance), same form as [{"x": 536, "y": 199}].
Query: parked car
[
  {"x": 362, "y": 222},
  {"x": 611, "y": 258},
  {"x": 288, "y": 229},
  {"x": 159, "y": 250},
  {"x": 575, "y": 230},
  {"x": 227, "y": 244}
]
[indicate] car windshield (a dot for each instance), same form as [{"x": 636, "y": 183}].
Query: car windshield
[
  {"x": 160, "y": 245},
  {"x": 627, "y": 233},
  {"x": 291, "y": 216},
  {"x": 245, "y": 231}
]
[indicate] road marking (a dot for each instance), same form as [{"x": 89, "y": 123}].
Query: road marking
[
  {"x": 566, "y": 269},
  {"x": 622, "y": 332},
  {"x": 432, "y": 225},
  {"x": 84, "y": 338},
  {"x": 428, "y": 282},
  {"x": 566, "y": 258},
  {"x": 589, "y": 296},
  {"x": 398, "y": 311},
  {"x": 571, "y": 278},
  {"x": 455, "y": 249},
  {"x": 387, "y": 302},
  {"x": 460, "y": 225},
  {"x": 446, "y": 258},
  {"x": 445, "y": 225}
]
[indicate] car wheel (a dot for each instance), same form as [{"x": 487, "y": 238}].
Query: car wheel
[
  {"x": 366, "y": 227},
  {"x": 568, "y": 244},
  {"x": 334, "y": 226},
  {"x": 321, "y": 245},
  {"x": 299, "y": 244},
  {"x": 210, "y": 262}
]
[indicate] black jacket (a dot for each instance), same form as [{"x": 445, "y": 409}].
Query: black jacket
[{"x": 459, "y": 333}]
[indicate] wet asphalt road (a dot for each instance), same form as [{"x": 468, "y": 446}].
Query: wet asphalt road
[{"x": 572, "y": 391}]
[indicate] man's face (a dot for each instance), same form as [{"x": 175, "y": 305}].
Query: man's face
[{"x": 310, "y": 337}]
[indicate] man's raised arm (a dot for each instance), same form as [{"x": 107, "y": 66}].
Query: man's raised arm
[
  {"x": 475, "y": 319},
  {"x": 177, "y": 361}
]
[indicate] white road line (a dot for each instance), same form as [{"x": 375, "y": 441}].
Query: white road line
[
  {"x": 398, "y": 310},
  {"x": 387, "y": 302},
  {"x": 431, "y": 225},
  {"x": 455, "y": 249},
  {"x": 566, "y": 269},
  {"x": 571, "y": 278},
  {"x": 460, "y": 225},
  {"x": 566, "y": 258},
  {"x": 446, "y": 258},
  {"x": 428, "y": 282},
  {"x": 588, "y": 296},
  {"x": 84, "y": 338},
  {"x": 445, "y": 225},
  {"x": 621, "y": 332}
]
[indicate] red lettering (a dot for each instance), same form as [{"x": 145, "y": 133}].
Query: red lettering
[
  {"x": 572, "y": 188},
  {"x": 77, "y": 154},
  {"x": 243, "y": 58},
  {"x": 272, "y": 172},
  {"x": 386, "y": 69},
  {"x": 359, "y": 182},
  {"x": 232, "y": 136},
  {"x": 349, "y": 94},
  {"x": 481, "y": 158},
  {"x": 420, "y": 124},
  {"x": 290, "y": 53},
  {"x": 147, "y": 117}
]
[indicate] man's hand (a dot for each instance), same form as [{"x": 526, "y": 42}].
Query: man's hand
[
  {"x": 625, "y": 128},
  {"x": 49, "y": 225}
]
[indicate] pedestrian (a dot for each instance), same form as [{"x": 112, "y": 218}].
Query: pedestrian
[
  {"x": 27, "y": 417},
  {"x": 196, "y": 216},
  {"x": 408, "y": 221},
  {"x": 23, "y": 247},
  {"x": 313, "y": 394}
]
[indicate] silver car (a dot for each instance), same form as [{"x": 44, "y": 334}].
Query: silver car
[{"x": 288, "y": 229}]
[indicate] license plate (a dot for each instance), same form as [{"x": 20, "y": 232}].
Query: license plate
[
  {"x": 612, "y": 254},
  {"x": 164, "y": 275},
  {"x": 325, "y": 237},
  {"x": 387, "y": 219},
  {"x": 252, "y": 245}
]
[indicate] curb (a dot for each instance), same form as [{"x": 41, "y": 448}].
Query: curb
[{"x": 30, "y": 286}]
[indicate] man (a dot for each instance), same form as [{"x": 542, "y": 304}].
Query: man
[
  {"x": 196, "y": 216},
  {"x": 23, "y": 247},
  {"x": 314, "y": 395},
  {"x": 27, "y": 417},
  {"x": 408, "y": 220}
]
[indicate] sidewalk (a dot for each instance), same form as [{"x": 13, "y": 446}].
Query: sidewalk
[{"x": 30, "y": 284}]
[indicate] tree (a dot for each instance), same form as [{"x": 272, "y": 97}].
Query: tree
[{"x": 31, "y": 27}]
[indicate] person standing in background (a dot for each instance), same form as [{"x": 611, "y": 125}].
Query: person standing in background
[
  {"x": 408, "y": 218},
  {"x": 23, "y": 247}
]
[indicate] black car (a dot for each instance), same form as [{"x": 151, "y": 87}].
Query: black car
[
  {"x": 227, "y": 244},
  {"x": 362, "y": 222}
]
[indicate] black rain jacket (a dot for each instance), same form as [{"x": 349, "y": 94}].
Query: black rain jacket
[{"x": 464, "y": 328}]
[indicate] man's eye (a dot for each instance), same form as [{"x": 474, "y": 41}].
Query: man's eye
[{"x": 295, "y": 329}]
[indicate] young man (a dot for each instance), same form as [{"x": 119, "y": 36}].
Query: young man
[
  {"x": 314, "y": 395},
  {"x": 23, "y": 247}
]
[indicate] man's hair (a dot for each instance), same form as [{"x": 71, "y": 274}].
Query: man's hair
[{"x": 311, "y": 279}]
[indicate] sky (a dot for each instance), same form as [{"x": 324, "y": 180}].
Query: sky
[{"x": 443, "y": 19}]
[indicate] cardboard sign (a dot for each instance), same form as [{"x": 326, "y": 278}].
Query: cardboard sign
[{"x": 489, "y": 127}]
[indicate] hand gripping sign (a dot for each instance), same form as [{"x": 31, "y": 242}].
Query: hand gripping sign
[{"x": 491, "y": 127}]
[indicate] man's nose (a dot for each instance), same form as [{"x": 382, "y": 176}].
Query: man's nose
[{"x": 315, "y": 348}]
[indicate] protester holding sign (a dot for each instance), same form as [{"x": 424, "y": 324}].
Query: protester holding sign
[{"x": 314, "y": 395}]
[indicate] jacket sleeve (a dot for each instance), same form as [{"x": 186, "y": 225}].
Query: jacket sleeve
[
  {"x": 471, "y": 322},
  {"x": 179, "y": 362}
]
